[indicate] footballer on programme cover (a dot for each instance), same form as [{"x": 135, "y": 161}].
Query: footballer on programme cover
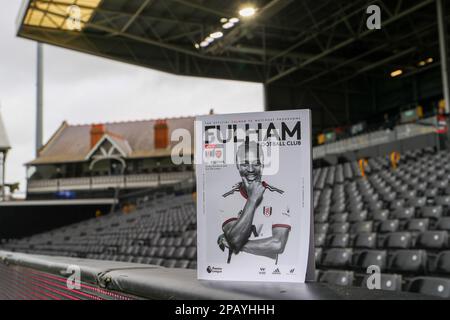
[{"x": 254, "y": 196}]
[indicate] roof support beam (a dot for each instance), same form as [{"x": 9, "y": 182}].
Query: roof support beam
[
  {"x": 157, "y": 43},
  {"x": 443, "y": 51},
  {"x": 193, "y": 4},
  {"x": 345, "y": 43},
  {"x": 136, "y": 15},
  {"x": 271, "y": 9}
]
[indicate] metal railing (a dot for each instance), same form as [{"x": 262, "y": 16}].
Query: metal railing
[
  {"x": 376, "y": 138},
  {"x": 106, "y": 182}
]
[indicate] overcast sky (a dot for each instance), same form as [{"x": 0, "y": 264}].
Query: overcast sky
[{"x": 82, "y": 89}]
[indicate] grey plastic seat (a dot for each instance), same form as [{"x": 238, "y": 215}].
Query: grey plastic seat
[
  {"x": 398, "y": 240},
  {"x": 320, "y": 227},
  {"x": 417, "y": 202},
  {"x": 156, "y": 261},
  {"x": 443, "y": 200},
  {"x": 388, "y": 226},
  {"x": 357, "y": 216},
  {"x": 191, "y": 253},
  {"x": 318, "y": 255},
  {"x": 179, "y": 253},
  {"x": 388, "y": 282},
  {"x": 432, "y": 212},
  {"x": 362, "y": 226},
  {"x": 380, "y": 215},
  {"x": 377, "y": 205},
  {"x": 339, "y": 240},
  {"x": 339, "y": 227},
  {"x": 365, "y": 241},
  {"x": 337, "y": 258},
  {"x": 443, "y": 263},
  {"x": 319, "y": 239},
  {"x": 417, "y": 225},
  {"x": 408, "y": 261},
  {"x": 367, "y": 258},
  {"x": 169, "y": 263},
  {"x": 321, "y": 217},
  {"x": 443, "y": 224},
  {"x": 161, "y": 252},
  {"x": 169, "y": 252},
  {"x": 182, "y": 264},
  {"x": 396, "y": 204},
  {"x": 339, "y": 217},
  {"x": 432, "y": 240},
  {"x": 337, "y": 277},
  {"x": 405, "y": 213},
  {"x": 439, "y": 287}
]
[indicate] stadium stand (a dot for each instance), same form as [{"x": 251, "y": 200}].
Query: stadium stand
[{"x": 396, "y": 219}]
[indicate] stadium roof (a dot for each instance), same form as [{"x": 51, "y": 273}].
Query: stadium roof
[
  {"x": 4, "y": 141},
  {"x": 71, "y": 143},
  {"x": 318, "y": 54},
  {"x": 306, "y": 40}
]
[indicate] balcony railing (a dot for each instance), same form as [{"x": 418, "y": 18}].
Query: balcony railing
[
  {"x": 106, "y": 182},
  {"x": 376, "y": 138}
]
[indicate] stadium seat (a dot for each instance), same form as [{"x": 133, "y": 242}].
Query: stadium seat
[
  {"x": 443, "y": 224},
  {"x": 357, "y": 216},
  {"x": 398, "y": 240},
  {"x": 366, "y": 258},
  {"x": 182, "y": 264},
  {"x": 156, "y": 261},
  {"x": 169, "y": 263},
  {"x": 362, "y": 226},
  {"x": 443, "y": 200},
  {"x": 442, "y": 265},
  {"x": 339, "y": 227},
  {"x": 388, "y": 226},
  {"x": 439, "y": 287},
  {"x": 380, "y": 215},
  {"x": 417, "y": 202},
  {"x": 179, "y": 252},
  {"x": 339, "y": 240},
  {"x": 191, "y": 253},
  {"x": 431, "y": 192},
  {"x": 390, "y": 282},
  {"x": 320, "y": 227},
  {"x": 417, "y": 225},
  {"x": 321, "y": 217},
  {"x": 408, "y": 261},
  {"x": 337, "y": 277},
  {"x": 338, "y": 217},
  {"x": 404, "y": 213},
  {"x": 320, "y": 239},
  {"x": 432, "y": 240},
  {"x": 397, "y": 204},
  {"x": 431, "y": 212},
  {"x": 318, "y": 255},
  {"x": 337, "y": 258},
  {"x": 365, "y": 241}
]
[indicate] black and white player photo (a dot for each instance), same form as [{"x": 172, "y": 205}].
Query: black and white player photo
[{"x": 255, "y": 224}]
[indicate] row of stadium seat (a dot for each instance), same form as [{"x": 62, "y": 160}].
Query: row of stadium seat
[
  {"x": 433, "y": 286},
  {"x": 408, "y": 262},
  {"x": 396, "y": 219}
]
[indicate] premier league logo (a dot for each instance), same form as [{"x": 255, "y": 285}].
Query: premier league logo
[{"x": 267, "y": 211}]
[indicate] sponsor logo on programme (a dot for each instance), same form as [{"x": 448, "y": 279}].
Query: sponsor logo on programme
[{"x": 210, "y": 269}]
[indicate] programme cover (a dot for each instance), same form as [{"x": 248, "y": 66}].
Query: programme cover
[{"x": 254, "y": 215}]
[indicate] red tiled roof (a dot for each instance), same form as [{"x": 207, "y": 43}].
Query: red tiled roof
[{"x": 71, "y": 143}]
